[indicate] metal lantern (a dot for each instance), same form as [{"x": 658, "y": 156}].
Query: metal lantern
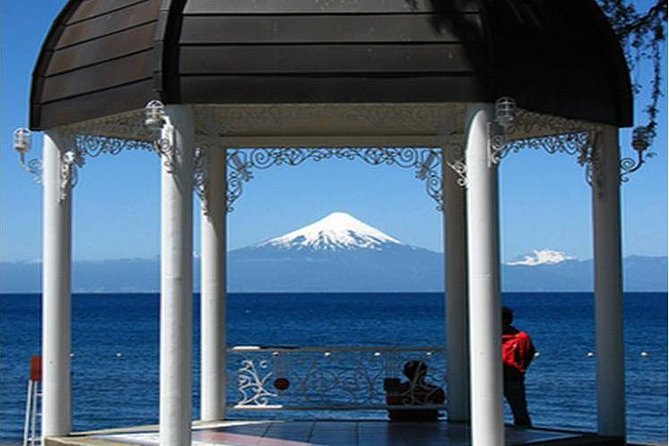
[
  {"x": 640, "y": 139},
  {"x": 22, "y": 140},
  {"x": 155, "y": 115},
  {"x": 22, "y": 144},
  {"x": 505, "y": 112}
]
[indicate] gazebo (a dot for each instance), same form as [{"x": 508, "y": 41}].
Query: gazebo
[{"x": 445, "y": 87}]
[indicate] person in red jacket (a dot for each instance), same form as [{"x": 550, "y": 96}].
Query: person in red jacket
[{"x": 517, "y": 354}]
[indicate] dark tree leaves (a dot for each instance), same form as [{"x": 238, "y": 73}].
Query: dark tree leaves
[{"x": 642, "y": 33}]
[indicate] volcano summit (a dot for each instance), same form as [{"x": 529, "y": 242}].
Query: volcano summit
[
  {"x": 337, "y": 253},
  {"x": 337, "y": 231}
]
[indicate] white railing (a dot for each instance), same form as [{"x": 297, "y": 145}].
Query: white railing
[{"x": 333, "y": 378}]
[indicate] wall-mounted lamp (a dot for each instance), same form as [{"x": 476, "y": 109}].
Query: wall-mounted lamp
[
  {"x": 23, "y": 144},
  {"x": 156, "y": 120},
  {"x": 500, "y": 128},
  {"x": 641, "y": 139},
  {"x": 505, "y": 112},
  {"x": 154, "y": 113},
  {"x": 22, "y": 141}
]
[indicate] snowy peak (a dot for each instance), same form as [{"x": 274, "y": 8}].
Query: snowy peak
[
  {"x": 541, "y": 257},
  {"x": 337, "y": 231}
]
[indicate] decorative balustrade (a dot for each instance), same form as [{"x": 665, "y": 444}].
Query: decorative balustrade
[{"x": 333, "y": 378}]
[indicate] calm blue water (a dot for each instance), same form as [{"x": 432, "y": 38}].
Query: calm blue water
[{"x": 112, "y": 391}]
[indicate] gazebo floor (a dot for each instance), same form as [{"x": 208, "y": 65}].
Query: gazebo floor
[{"x": 322, "y": 433}]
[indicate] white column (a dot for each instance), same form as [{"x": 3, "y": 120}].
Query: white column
[
  {"x": 56, "y": 305},
  {"x": 485, "y": 326},
  {"x": 176, "y": 288},
  {"x": 455, "y": 251},
  {"x": 213, "y": 289},
  {"x": 608, "y": 286}
]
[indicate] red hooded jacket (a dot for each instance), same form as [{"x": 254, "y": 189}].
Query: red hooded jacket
[{"x": 517, "y": 352}]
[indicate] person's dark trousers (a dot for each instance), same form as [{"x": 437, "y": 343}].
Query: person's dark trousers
[{"x": 514, "y": 392}]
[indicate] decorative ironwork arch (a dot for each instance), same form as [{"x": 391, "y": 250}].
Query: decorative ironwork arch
[
  {"x": 426, "y": 162},
  {"x": 512, "y": 131},
  {"x": 556, "y": 135}
]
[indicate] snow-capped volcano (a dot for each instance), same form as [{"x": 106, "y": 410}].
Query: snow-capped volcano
[
  {"x": 541, "y": 257},
  {"x": 337, "y": 231}
]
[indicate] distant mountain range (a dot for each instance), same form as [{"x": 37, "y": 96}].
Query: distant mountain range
[{"x": 341, "y": 253}]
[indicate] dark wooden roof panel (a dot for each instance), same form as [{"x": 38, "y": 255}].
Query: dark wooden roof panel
[
  {"x": 324, "y": 59},
  {"x": 320, "y": 6},
  {"x": 114, "y": 22},
  {"x": 320, "y": 89},
  {"x": 93, "y": 105},
  {"x": 102, "y": 76},
  {"x": 317, "y": 28},
  {"x": 98, "y": 51},
  {"x": 89, "y": 9}
]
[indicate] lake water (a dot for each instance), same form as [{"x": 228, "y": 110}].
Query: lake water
[{"x": 112, "y": 390}]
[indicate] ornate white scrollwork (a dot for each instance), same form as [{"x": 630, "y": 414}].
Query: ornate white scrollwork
[
  {"x": 95, "y": 145},
  {"x": 106, "y": 136},
  {"x": 579, "y": 144},
  {"x": 555, "y": 134},
  {"x": 110, "y": 136},
  {"x": 207, "y": 140},
  {"x": 498, "y": 140},
  {"x": 429, "y": 171},
  {"x": 252, "y": 383},
  {"x": 590, "y": 159},
  {"x": 452, "y": 144},
  {"x": 70, "y": 161},
  {"x": 164, "y": 146},
  {"x": 332, "y": 377},
  {"x": 35, "y": 168},
  {"x": 113, "y": 134},
  {"x": 514, "y": 130},
  {"x": 460, "y": 168},
  {"x": 201, "y": 177},
  {"x": 242, "y": 162}
]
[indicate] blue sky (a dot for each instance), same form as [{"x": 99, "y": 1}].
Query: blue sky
[{"x": 544, "y": 199}]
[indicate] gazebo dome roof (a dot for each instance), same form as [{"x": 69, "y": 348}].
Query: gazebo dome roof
[{"x": 104, "y": 57}]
